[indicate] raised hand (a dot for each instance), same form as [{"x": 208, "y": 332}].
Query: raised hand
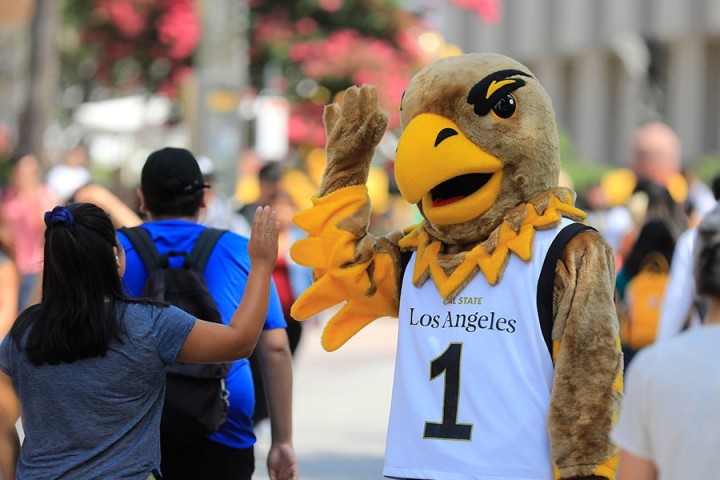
[
  {"x": 263, "y": 244},
  {"x": 353, "y": 132}
]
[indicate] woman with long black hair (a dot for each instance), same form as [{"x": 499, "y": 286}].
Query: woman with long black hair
[{"x": 88, "y": 363}]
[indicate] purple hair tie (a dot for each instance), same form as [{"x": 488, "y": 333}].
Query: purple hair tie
[{"x": 60, "y": 215}]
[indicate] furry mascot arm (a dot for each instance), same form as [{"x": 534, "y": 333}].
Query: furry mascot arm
[
  {"x": 349, "y": 264},
  {"x": 588, "y": 374}
]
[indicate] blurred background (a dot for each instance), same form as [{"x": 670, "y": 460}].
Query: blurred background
[{"x": 244, "y": 82}]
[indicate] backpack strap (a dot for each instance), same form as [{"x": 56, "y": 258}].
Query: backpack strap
[
  {"x": 144, "y": 245},
  {"x": 546, "y": 282},
  {"x": 203, "y": 247},
  {"x": 404, "y": 260}
]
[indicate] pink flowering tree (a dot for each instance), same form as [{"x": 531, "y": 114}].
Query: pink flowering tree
[
  {"x": 312, "y": 51},
  {"x": 133, "y": 44},
  {"x": 487, "y": 10}
]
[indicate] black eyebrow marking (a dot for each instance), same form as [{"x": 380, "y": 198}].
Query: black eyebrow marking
[
  {"x": 444, "y": 134},
  {"x": 478, "y": 93}
]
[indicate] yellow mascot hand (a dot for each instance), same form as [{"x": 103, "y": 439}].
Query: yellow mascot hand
[{"x": 348, "y": 265}]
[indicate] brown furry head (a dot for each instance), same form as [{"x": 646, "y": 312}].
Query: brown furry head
[{"x": 479, "y": 138}]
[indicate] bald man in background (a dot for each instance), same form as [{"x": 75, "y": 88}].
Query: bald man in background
[
  {"x": 656, "y": 154},
  {"x": 656, "y": 159}
]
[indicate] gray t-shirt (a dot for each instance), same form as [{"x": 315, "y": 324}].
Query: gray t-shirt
[{"x": 98, "y": 418}]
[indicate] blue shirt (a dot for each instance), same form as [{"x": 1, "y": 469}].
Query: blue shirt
[
  {"x": 98, "y": 417},
  {"x": 226, "y": 274}
]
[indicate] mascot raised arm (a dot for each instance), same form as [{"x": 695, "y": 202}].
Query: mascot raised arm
[{"x": 508, "y": 361}]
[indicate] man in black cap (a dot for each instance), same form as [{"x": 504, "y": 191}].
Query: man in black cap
[{"x": 172, "y": 195}]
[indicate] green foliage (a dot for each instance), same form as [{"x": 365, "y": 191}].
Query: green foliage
[
  {"x": 708, "y": 168},
  {"x": 4, "y": 168},
  {"x": 374, "y": 18}
]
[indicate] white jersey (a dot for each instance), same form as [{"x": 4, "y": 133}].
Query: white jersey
[{"x": 472, "y": 383}]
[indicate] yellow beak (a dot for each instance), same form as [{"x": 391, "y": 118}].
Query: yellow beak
[{"x": 433, "y": 150}]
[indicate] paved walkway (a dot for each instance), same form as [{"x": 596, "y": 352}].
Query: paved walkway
[{"x": 341, "y": 404}]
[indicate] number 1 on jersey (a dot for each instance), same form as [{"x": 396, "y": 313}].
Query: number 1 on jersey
[{"x": 449, "y": 363}]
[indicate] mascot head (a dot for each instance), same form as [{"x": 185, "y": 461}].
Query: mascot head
[{"x": 478, "y": 139}]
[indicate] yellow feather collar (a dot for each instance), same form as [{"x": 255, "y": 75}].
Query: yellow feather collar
[{"x": 514, "y": 235}]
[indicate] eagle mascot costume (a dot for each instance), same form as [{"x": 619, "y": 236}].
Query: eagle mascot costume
[{"x": 508, "y": 362}]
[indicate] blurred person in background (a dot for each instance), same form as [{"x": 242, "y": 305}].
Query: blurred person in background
[
  {"x": 218, "y": 211},
  {"x": 269, "y": 177},
  {"x": 122, "y": 215},
  {"x": 652, "y": 201},
  {"x": 655, "y": 201},
  {"x": 70, "y": 175},
  {"x": 660, "y": 189},
  {"x": 9, "y": 440},
  {"x": 291, "y": 280},
  {"x": 668, "y": 424},
  {"x": 9, "y": 303},
  {"x": 701, "y": 198},
  {"x": 612, "y": 221},
  {"x": 9, "y": 291},
  {"x": 72, "y": 181},
  {"x": 9, "y": 282},
  {"x": 681, "y": 307},
  {"x": 22, "y": 205},
  {"x": 656, "y": 154},
  {"x": 651, "y": 253}
]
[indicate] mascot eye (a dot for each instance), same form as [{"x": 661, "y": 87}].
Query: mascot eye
[{"x": 505, "y": 107}]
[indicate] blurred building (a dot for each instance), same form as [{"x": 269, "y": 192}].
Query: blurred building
[{"x": 610, "y": 65}]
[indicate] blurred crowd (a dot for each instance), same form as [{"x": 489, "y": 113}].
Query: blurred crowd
[
  {"x": 30, "y": 190},
  {"x": 650, "y": 206},
  {"x": 648, "y": 212}
]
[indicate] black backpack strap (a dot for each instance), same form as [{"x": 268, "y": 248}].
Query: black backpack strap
[
  {"x": 546, "y": 282},
  {"x": 405, "y": 257},
  {"x": 203, "y": 247},
  {"x": 144, "y": 245}
]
